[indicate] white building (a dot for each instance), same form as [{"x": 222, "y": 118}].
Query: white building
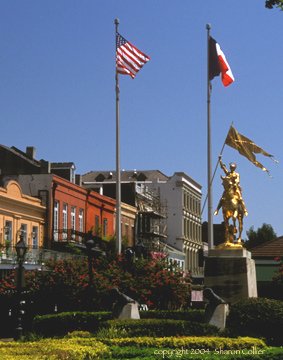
[
  {"x": 183, "y": 196},
  {"x": 183, "y": 209}
]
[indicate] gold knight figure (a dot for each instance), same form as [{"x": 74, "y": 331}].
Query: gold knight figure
[{"x": 232, "y": 203}]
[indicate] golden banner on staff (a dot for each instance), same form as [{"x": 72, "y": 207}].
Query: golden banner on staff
[{"x": 246, "y": 147}]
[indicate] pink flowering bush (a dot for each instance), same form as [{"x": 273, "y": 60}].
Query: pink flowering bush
[
  {"x": 155, "y": 282},
  {"x": 278, "y": 275}
]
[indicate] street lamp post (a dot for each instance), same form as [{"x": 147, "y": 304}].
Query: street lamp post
[{"x": 21, "y": 249}]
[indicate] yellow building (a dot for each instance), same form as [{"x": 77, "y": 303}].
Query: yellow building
[{"x": 20, "y": 214}]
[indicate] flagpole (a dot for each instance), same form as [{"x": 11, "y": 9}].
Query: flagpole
[
  {"x": 118, "y": 171},
  {"x": 215, "y": 169},
  {"x": 209, "y": 184}
]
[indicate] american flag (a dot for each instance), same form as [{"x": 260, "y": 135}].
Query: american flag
[{"x": 129, "y": 60}]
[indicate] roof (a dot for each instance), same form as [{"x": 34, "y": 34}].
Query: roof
[
  {"x": 20, "y": 154},
  {"x": 270, "y": 249},
  {"x": 60, "y": 165},
  {"x": 126, "y": 176}
]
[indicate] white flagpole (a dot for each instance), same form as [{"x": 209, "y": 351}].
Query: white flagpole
[
  {"x": 209, "y": 182},
  {"x": 118, "y": 171}
]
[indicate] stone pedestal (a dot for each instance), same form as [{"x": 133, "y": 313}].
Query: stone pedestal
[
  {"x": 130, "y": 311},
  {"x": 231, "y": 274}
]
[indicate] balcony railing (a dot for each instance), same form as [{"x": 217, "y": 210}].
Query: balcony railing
[
  {"x": 69, "y": 235},
  {"x": 35, "y": 256}
]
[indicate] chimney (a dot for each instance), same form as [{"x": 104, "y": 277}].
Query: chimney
[
  {"x": 45, "y": 167},
  {"x": 78, "y": 179},
  {"x": 30, "y": 151}
]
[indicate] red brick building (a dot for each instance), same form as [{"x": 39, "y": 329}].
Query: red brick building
[{"x": 71, "y": 210}]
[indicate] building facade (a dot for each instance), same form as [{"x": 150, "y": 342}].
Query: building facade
[
  {"x": 149, "y": 228},
  {"x": 184, "y": 227},
  {"x": 168, "y": 211},
  {"x": 71, "y": 210},
  {"x": 20, "y": 215}
]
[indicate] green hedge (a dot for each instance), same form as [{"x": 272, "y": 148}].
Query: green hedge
[
  {"x": 135, "y": 353},
  {"x": 257, "y": 317},
  {"x": 198, "y": 348},
  {"x": 61, "y": 324},
  {"x": 67, "y": 349},
  {"x": 157, "y": 328},
  {"x": 190, "y": 315},
  {"x": 188, "y": 342},
  {"x": 83, "y": 347}
]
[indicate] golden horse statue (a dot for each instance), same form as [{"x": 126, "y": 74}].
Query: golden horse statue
[{"x": 232, "y": 204}]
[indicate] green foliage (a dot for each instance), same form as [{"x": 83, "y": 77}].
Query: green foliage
[
  {"x": 81, "y": 334},
  {"x": 32, "y": 337},
  {"x": 64, "y": 323},
  {"x": 85, "y": 348},
  {"x": 157, "y": 328},
  {"x": 70, "y": 247},
  {"x": 48, "y": 349},
  {"x": 256, "y": 317},
  {"x": 261, "y": 236},
  {"x": 269, "y": 4},
  {"x": 111, "y": 332},
  {"x": 188, "y": 342},
  {"x": 189, "y": 315},
  {"x": 136, "y": 353}
]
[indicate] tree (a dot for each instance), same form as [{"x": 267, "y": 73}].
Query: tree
[
  {"x": 156, "y": 282},
  {"x": 269, "y": 4},
  {"x": 261, "y": 236}
]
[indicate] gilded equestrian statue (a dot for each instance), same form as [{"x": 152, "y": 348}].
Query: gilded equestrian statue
[{"x": 232, "y": 203}]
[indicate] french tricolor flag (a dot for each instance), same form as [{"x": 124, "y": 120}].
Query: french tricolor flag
[{"x": 218, "y": 64}]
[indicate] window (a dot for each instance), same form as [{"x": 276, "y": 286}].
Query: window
[
  {"x": 56, "y": 219},
  {"x": 24, "y": 232},
  {"x": 127, "y": 230},
  {"x": 65, "y": 221},
  {"x": 81, "y": 223},
  {"x": 8, "y": 231},
  {"x": 104, "y": 226},
  {"x": 73, "y": 222},
  {"x": 96, "y": 225},
  {"x": 34, "y": 237}
]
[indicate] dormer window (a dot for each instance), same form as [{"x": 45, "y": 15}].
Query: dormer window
[
  {"x": 100, "y": 178},
  {"x": 141, "y": 177}
]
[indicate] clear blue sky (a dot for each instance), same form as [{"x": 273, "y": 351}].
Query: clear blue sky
[{"x": 57, "y": 89}]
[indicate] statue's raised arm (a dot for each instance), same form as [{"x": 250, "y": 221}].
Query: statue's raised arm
[{"x": 222, "y": 165}]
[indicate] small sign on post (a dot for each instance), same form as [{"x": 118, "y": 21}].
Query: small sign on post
[{"x": 197, "y": 295}]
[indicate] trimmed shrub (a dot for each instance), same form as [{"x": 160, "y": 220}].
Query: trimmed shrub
[
  {"x": 136, "y": 353},
  {"x": 189, "y": 315},
  {"x": 63, "y": 323},
  {"x": 187, "y": 342},
  {"x": 71, "y": 349},
  {"x": 257, "y": 317},
  {"x": 157, "y": 328}
]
